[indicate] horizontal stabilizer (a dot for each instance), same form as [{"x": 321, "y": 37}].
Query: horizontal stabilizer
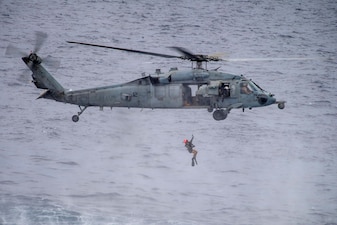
[{"x": 43, "y": 94}]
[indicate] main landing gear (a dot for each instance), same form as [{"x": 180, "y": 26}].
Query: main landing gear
[
  {"x": 219, "y": 114},
  {"x": 76, "y": 118}
]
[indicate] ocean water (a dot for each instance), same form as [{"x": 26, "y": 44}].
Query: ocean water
[{"x": 129, "y": 166}]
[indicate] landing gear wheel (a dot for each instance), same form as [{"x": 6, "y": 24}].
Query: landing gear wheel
[
  {"x": 220, "y": 114},
  {"x": 210, "y": 109},
  {"x": 281, "y": 105},
  {"x": 75, "y": 118}
]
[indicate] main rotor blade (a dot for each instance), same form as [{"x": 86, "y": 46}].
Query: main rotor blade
[
  {"x": 127, "y": 50},
  {"x": 265, "y": 59},
  {"x": 184, "y": 52},
  {"x": 195, "y": 57}
]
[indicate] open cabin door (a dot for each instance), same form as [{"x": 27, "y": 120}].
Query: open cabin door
[{"x": 206, "y": 94}]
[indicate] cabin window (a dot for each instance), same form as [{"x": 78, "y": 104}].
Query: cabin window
[{"x": 126, "y": 97}]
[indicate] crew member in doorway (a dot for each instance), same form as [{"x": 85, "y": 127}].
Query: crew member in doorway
[{"x": 190, "y": 148}]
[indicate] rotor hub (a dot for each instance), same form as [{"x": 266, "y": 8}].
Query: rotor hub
[{"x": 34, "y": 58}]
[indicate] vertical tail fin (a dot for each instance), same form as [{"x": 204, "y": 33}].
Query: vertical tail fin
[{"x": 41, "y": 77}]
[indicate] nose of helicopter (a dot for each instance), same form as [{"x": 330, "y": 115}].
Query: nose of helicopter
[
  {"x": 264, "y": 99},
  {"x": 271, "y": 100}
]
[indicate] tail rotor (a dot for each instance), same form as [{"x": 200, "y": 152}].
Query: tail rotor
[{"x": 40, "y": 39}]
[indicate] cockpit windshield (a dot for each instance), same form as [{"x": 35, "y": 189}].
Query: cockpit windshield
[{"x": 256, "y": 86}]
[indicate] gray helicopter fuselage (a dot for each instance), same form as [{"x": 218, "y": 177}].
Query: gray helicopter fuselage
[{"x": 195, "y": 88}]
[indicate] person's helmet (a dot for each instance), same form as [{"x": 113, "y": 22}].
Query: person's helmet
[{"x": 185, "y": 141}]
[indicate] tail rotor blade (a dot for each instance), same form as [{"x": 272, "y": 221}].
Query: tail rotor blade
[
  {"x": 13, "y": 51},
  {"x": 40, "y": 39},
  {"x": 51, "y": 62}
]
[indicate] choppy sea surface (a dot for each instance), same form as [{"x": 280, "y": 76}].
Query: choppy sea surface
[{"x": 129, "y": 166}]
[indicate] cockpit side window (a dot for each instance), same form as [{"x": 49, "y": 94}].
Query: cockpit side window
[{"x": 245, "y": 88}]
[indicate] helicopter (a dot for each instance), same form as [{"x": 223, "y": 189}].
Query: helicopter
[{"x": 216, "y": 91}]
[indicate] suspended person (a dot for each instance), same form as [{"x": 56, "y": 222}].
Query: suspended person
[{"x": 189, "y": 145}]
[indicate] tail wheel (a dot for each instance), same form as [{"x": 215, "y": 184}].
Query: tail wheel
[{"x": 75, "y": 118}]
